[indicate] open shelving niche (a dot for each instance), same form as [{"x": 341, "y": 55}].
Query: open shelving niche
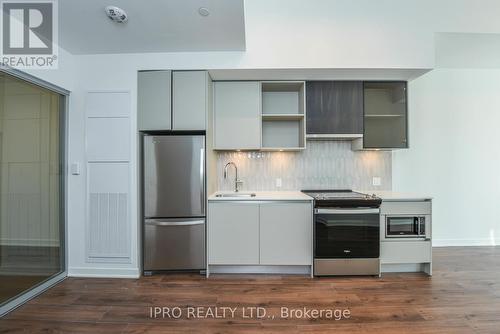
[{"x": 283, "y": 115}]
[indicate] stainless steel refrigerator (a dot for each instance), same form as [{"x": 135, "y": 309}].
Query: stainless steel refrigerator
[{"x": 173, "y": 202}]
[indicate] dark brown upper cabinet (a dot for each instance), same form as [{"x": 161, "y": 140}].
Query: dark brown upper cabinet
[
  {"x": 334, "y": 109},
  {"x": 385, "y": 115}
]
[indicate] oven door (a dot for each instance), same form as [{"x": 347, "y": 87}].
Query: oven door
[{"x": 347, "y": 233}]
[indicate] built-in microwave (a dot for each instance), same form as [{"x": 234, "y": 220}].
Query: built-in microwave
[{"x": 403, "y": 226}]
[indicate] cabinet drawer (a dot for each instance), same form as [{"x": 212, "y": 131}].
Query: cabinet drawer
[
  {"x": 406, "y": 208},
  {"x": 405, "y": 252}
]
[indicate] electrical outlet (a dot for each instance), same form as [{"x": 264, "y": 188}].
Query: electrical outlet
[
  {"x": 376, "y": 181},
  {"x": 278, "y": 183}
]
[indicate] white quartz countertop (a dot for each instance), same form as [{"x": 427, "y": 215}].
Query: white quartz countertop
[
  {"x": 387, "y": 195},
  {"x": 262, "y": 196}
]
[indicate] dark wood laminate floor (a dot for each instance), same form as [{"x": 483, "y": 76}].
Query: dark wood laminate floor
[{"x": 463, "y": 296}]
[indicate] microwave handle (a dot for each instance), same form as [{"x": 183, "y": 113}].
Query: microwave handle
[
  {"x": 416, "y": 225},
  {"x": 421, "y": 225}
]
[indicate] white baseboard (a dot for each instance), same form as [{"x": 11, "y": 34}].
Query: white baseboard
[
  {"x": 104, "y": 272},
  {"x": 465, "y": 242}
]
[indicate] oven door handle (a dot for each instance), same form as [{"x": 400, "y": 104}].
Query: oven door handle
[{"x": 346, "y": 211}]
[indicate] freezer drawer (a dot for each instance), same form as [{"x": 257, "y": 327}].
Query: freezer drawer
[{"x": 174, "y": 244}]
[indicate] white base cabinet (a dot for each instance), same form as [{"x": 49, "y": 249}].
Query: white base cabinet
[
  {"x": 285, "y": 234},
  {"x": 400, "y": 254},
  {"x": 261, "y": 234},
  {"x": 233, "y": 233}
]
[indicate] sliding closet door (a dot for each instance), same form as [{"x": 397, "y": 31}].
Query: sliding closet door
[{"x": 31, "y": 242}]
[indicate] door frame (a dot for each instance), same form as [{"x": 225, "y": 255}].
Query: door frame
[{"x": 64, "y": 94}]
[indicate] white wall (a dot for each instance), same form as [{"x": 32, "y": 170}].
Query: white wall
[
  {"x": 64, "y": 76},
  {"x": 357, "y": 33},
  {"x": 454, "y": 153}
]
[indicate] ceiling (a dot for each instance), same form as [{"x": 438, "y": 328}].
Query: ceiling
[{"x": 153, "y": 26}]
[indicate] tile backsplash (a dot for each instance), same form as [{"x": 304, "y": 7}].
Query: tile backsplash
[{"x": 323, "y": 165}]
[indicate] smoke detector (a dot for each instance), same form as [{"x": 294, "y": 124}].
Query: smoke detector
[
  {"x": 203, "y": 11},
  {"x": 116, "y": 14}
]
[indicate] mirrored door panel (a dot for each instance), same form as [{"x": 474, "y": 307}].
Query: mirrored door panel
[{"x": 31, "y": 249}]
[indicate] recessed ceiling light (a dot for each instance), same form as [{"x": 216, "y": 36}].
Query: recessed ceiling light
[
  {"x": 116, "y": 14},
  {"x": 203, "y": 11}
]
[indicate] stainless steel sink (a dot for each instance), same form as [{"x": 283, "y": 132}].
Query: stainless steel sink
[{"x": 236, "y": 195}]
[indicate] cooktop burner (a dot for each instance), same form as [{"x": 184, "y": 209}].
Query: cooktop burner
[{"x": 344, "y": 198}]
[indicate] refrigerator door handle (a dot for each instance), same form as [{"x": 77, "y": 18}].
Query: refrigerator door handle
[
  {"x": 202, "y": 179},
  {"x": 174, "y": 222}
]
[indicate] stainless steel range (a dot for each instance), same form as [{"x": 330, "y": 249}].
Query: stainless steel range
[{"x": 346, "y": 232}]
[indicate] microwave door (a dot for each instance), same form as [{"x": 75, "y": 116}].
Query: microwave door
[
  {"x": 409, "y": 227},
  {"x": 400, "y": 226}
]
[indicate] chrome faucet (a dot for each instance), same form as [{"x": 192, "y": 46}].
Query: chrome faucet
[{"x": 236, "y": 181}]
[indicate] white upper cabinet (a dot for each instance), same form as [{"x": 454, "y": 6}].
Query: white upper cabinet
[
  {"x": 153, "y": 100},
  {"x": 190, "y": 91},
  {"x": 237, "y": 115}
]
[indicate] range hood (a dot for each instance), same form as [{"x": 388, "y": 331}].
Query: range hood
[{"x": 334, "y": 136}]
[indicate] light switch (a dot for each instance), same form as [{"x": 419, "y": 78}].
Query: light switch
[
  {"x": 376, "y": 181},
  {"x": 75, "y": 168},
  {"x": 278, "y": 183}
]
